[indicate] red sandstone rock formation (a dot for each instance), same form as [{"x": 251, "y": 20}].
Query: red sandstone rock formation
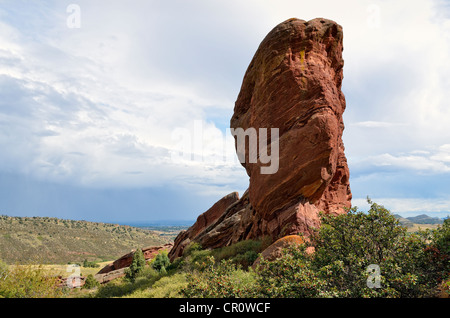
[
  {"x": 127, "y": 259},
  {"x": 275, "y": 249},
  {"x": 293, "y": 83},
  {"x": 203, "y": 221}
]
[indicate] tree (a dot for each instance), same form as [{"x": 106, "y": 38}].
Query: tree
[
  {"x": 90, "y": 282},
  {"x": 437, "y": 256},
  {"x": 161, "y": 262},
  {"x": 137, "y": 265},
  {"x": 349, "y": 246},
  {"x": 289, "y": 276}
]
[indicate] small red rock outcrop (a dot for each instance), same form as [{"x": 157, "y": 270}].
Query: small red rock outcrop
[
  {"x": 293, "y": 83},
  {"x": 127, "y": 259},
  {"x": 204, "y": 220}
]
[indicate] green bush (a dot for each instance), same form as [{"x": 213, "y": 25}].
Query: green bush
[
  {"x": 90, "y": 282},
  {"x": 137, "y": 265},
  {"x": 87, "y": 263},
  {"x": 222, "y": 280},
  {"x": 193, "y": 246},
  {"x": 28, "y": 282},
  {"x": 242, "y": 253},
  {"x": 161, "y": 262},
  {"x": 436, "y": 262},
  {"x": 347, "y": 244},
  {"x": 356, "y": 255},
  {"x": 290, "y": 275}
]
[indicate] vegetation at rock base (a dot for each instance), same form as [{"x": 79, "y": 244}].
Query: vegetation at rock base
[
  {"x": 90, "y": 282},
  {"x": 137, "y": 265},
  {"x": 347, "y": 247},
  {"x": 355, "y": 255},
  {"x": 161, "y": 262}
]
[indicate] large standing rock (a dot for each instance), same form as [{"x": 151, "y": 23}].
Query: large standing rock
[{"x": 293, "y": 83}]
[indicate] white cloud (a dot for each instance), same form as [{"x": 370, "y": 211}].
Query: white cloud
[
  {"x": 98, "y": 104},
  {"x": 431, "y": 161},
  {"x": 72, "y": 113},
  {"x": 377, "y": 124}
]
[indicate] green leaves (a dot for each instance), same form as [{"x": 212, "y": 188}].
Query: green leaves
[
  {"x": 137, "y": 265},
  {"x": 356, "y": 255}
]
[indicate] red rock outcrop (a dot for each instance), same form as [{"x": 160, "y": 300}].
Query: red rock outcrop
[
  {"x": 275, "y": 249},
  {"x": 204, "y": 220},
  {"x": 293, "y": 83},
  {"x": 127, "y": 259}
]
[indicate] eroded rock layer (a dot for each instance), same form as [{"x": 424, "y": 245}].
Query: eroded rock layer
[{"x": 293, "y": 83}]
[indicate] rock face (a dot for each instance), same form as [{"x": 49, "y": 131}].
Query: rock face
[
  {"x": 293, "y": 83},
  {"x": 204, "y": 221}
]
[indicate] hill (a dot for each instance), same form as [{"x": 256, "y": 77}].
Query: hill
[
  {"x": 419, "y": 222},
  {"x": 44, "y": 240},
  {"x": 404, "y": 221},
  {"x": 425, "y": 219}
]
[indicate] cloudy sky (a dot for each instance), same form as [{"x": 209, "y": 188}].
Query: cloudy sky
[{"x": 97, "y": 98}]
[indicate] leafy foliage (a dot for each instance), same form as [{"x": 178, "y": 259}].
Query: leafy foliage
[
  {"x": 90, "y": 282},
  {"x": 28, "y": 282},
  {"x": 356, "y": 255},
  {"x": 437, "y": 257},
  {"x": 161, "y": 262},
  {"x": 291, "y": 275},
  {"x": 346, "y": 245},
  {"x": 87, "y": 263},
  {"x": 224, "y": 280},
  {"x": 137, "y": 265}
]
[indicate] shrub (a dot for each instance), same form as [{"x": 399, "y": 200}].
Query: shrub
[
  {"x": 87, "y": 263},
  {"x": 436, "y": 262},
  {"x": 193, "y": 246},
  {"x": 161, "y": 262},
  {"x": 28, "y": 282},
  {"x": 90, "y": 282},
  {"x": 290, "y": 275},
  {"x": 242, "y": 253},
  {"x": 222, "y": 280},
  {"x": 347, "y": 244}
]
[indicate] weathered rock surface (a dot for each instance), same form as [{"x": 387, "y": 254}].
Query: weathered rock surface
[
  {"x": 109, "y": 276},
  {"x": 204, "y": 221},
  {"x": 293, "y": 83}
]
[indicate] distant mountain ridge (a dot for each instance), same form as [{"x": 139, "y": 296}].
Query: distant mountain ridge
[
  {"x": 45, "y": 240},
  {"x": 419, "y": 219}
]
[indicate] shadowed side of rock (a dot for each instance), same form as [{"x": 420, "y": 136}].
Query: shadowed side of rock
[{"x": 204, "y": 221}]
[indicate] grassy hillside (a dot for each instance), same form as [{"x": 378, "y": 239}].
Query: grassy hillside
[{"x": 43, "y": 240}]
